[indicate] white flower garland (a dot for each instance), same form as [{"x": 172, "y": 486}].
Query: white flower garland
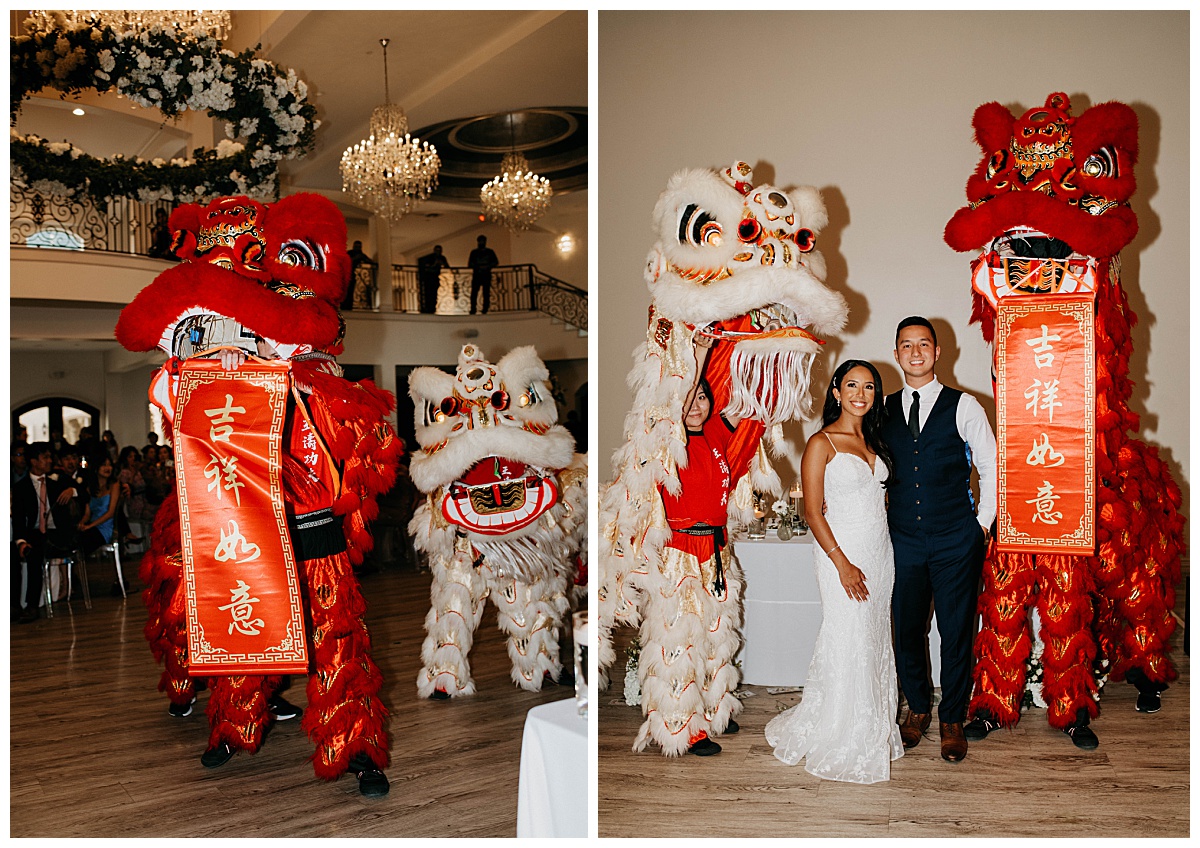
[{"x": 171, "y": 71}]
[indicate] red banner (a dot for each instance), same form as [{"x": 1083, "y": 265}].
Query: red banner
[
  {"x": 243, "y": 593},
  {"x": 1046, "y": 424}
]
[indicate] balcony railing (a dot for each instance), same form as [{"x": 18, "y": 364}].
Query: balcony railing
[
  {"x": 126, "y": 226},
  {"x": 120, "y": 225},
  {"x": 515, "y": 288}
]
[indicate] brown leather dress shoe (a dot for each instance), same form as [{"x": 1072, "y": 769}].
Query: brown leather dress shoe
[
  {"x": 913, "y": 728},
  {"x": 954, "y": 743}
]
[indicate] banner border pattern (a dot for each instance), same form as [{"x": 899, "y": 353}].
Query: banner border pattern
[{"x": 1080, "y": 308}]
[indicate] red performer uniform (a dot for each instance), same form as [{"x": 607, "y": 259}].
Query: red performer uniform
[{"x": 689, "y": 632}]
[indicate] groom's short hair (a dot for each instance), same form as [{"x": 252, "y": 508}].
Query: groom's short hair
[{"x": 916, "y": 321}]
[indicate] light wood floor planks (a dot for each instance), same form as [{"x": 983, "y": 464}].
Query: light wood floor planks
[
  {"x": 94, "y": 752},
  {"x": 1027, "y": 782}
]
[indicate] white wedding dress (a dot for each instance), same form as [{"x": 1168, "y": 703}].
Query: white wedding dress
[{"x": 845, "y": 726}]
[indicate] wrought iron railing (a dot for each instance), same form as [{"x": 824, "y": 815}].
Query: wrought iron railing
[
  {"x": 126, "y": 226},
  {"x": 119, "y": 225},
  {"x": 514, "y": 288}
]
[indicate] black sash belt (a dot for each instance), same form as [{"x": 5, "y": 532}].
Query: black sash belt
[{"x": 718, "y": 534}]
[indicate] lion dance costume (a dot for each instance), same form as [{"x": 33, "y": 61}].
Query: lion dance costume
[
  {"x": 733, "y": 270},
  {"x": 1048, "y": 208},
  {"x": 267, "y": 279},
  {"x": 505, "y": 516}
]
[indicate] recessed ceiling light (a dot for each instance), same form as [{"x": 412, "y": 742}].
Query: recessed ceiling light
[{"x": 78, "y": 111}]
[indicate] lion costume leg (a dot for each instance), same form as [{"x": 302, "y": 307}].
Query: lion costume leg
[
  {"x": 345, "y": 718},
  {"x": 1003, "y": 642},
  {"x": 721, "y": 676},
  {"x": 166, "y": 616},
  {"x": 531, "y": 614},
  {"x": 688, "y": 639},
  {"x": 458, "y": 594},
  {"x": 237, "y": 710},
  {"x": 1065, "y": 608}
]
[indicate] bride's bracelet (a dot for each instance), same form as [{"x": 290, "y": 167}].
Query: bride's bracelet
[{"x": 829, "y": 553}]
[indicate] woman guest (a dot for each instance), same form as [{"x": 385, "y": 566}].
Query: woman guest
[
  {"x": 845, "y": 726},
  {"x": 100, "y": 514}
]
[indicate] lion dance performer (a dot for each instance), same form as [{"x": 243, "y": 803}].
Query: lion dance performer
[
  {"x": 262, "y": 282},
  {"x": 505, "y": 516},
  {"x": 735, "y": 287},
  {"x": 1049, "y": 209}
]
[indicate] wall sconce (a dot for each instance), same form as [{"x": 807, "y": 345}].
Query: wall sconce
[{"x": 565, "y": 243}]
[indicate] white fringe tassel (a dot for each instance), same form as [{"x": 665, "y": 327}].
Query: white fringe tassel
[{"x": 771, "y": 387}]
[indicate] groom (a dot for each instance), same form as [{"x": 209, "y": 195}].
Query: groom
[{"x": 935, "y": 433}]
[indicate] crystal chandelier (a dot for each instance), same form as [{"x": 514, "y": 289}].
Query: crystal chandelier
[
  {"x": 517, "y": 197},
  {"x": 192, "y": 23},
  {"x": 390, "y": 172}
]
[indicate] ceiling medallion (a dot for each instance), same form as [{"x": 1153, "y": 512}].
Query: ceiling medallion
[{"x": 390, "y": 172}]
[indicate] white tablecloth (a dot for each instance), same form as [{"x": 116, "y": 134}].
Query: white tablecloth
[
  {"x": 782, "y": 612},
  {"x": 552, "y": 793}
]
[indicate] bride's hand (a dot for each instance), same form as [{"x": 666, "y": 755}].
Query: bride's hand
[{"x": 854, "y": 582}]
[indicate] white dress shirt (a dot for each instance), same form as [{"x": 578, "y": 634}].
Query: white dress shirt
[{"x": 975, "y": 430}]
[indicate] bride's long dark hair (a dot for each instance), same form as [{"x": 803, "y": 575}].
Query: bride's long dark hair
[{"x": 872, "y": 421}]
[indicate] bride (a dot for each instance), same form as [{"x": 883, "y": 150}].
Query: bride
[{"x": 845, "y": 726}]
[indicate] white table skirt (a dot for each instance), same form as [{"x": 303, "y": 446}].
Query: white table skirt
[
  {"x": 781, "y": 612},
  {"x": 552, "y": 792}
]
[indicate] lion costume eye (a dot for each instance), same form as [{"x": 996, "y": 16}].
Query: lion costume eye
[
  {"x": 528, "y": 397},
  {"x": 1102, "y": 163},
  {"x": 749, "y": 230},
  {"x": 433, "y": 415},
  {"x": 698, "y": 227},
  {"x": 300, "y": 254}
]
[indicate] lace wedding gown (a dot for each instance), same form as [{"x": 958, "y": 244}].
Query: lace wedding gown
[{"x": 845, "y": 726}]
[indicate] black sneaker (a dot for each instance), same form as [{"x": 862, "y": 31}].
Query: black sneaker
[
  {"x": 731, "y": 728},
  {"x": 439, "y": 695},
  {"x": 1148, "y": 702},
  {"x": 979, "y": 727},
  {"x": 372, "y": 783},
  {"x": 282, "y": 709},
  {"x": 1149, "y": 692},
  {"x": 217, "y": 756},
  {"x": 1083, "y": 737},
  {"x": 182, "y": 710},
  {"x": 704, "y": 748}
]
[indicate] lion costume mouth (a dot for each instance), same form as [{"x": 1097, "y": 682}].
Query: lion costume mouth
[
  {"x": 497, "y": 496},
  {"x": 1025, "y": 261}
]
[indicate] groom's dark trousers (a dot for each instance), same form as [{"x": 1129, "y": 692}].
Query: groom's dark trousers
[{"x": 939, "y": 551}]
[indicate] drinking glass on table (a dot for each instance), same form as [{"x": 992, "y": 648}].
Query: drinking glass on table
[{"x": 580, "y": 633}]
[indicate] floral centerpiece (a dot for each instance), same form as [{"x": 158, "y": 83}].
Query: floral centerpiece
[{"x": 265, "y": 108}]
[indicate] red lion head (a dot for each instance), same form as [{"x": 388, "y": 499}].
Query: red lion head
[
  {"x": 279, "y": 270},
  {"x": 1069, "y": 179}
]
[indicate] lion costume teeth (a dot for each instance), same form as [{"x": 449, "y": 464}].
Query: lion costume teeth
[
  {"x": 734, "y": 267},
  {"x": 505, "y": 515}
]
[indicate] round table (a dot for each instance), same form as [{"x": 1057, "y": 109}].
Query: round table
[{"x": 781, "y": 612}]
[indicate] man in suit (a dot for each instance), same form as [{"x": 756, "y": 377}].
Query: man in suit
[
  {"x": 429, "y": 270},
  {"x": 935, "y": 433},
  {"x": 41, "y": 523},
  {"x": 481, "y": 261}
]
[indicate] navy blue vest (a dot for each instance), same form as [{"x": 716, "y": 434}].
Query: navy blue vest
[{"x": 931, "y": 490}]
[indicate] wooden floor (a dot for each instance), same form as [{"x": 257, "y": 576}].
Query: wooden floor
[
  {"x": 95, "y": 753},
  {"x": 1028, "y": 782}
]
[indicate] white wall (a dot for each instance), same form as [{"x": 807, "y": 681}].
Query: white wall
[{"x": 875, "y": 109}]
